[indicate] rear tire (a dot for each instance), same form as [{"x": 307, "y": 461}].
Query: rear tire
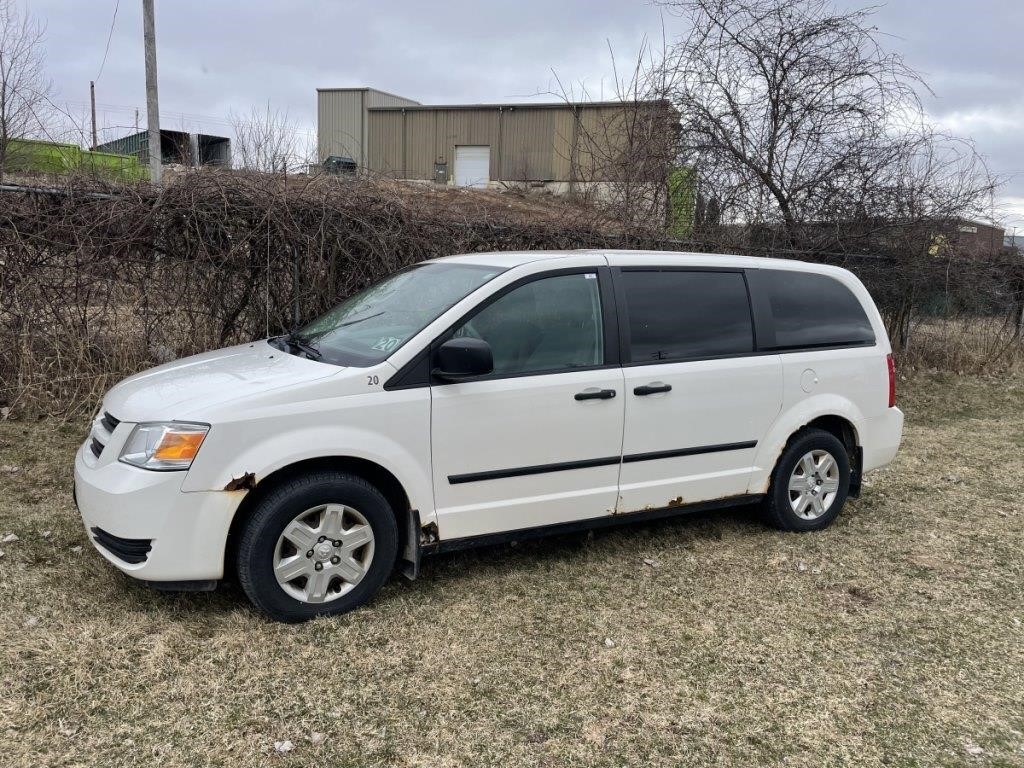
[
  {"x": 318, "y": 545},
  {"x": 809, "y": 484}
]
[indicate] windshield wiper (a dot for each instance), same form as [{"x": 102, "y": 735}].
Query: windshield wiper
[
  {"x": 359, "y": 319},
  {"x": 294, "y": 340}
]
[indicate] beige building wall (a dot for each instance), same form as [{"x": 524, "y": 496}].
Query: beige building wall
[
  {"x": 342, "y": 119},
  {"x": 529, "y": 143},
  {"x": 549, "y": 145}
]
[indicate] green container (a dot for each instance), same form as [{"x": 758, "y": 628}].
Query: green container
[{"x": 50, "y": 157}]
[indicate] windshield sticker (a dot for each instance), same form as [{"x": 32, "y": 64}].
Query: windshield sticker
[{"x": 387, "y": 344}]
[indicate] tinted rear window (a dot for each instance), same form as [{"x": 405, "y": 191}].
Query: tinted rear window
[
  {"x": 812, "y": 310},
  {"x": 676, "y": 315}
]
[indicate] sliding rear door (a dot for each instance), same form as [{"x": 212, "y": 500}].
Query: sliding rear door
[{"x": 697, "y": 398}]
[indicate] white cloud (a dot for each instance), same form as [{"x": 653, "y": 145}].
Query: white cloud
[
  {"x": 1010, "y": 213},
  {"x": 993, "y": 119}
]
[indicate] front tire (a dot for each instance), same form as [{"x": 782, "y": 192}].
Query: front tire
[
  {"x": 809, "y": 484},
  {"x": 318, "y": 545}
]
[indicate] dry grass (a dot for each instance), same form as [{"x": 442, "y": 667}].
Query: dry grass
[
  {"x": 980, "y": 345},
  {"x": 894, "y": 638}
]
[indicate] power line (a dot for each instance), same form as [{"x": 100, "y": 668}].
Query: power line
[
  {"x": 110, "y": 35},
  {"x": 184, "y": 117}
]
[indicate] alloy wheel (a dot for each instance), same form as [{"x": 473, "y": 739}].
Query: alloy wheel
[
  {"x": 814, "y": 484},
  {"x": 323, "y": 553}
]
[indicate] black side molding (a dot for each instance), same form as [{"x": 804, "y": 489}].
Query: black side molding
[
  {"x": 654, "y": 455},
  {"x": 540, "y": 469}
]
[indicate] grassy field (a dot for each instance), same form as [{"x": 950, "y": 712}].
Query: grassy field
[{"x": 896, "y": 637}]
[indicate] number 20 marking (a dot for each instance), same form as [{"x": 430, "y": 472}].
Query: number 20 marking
[{"x": 372, "y": 381}]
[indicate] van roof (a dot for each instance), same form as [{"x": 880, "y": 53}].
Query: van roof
[{"x": 510, "y": 259}]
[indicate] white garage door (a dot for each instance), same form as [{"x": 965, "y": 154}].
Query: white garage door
[{"x": 472, "y": 166}]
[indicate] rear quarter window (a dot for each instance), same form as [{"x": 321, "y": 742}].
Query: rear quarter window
[{"x": 813, "y": 310}]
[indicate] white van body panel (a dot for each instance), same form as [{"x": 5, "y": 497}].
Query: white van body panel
[
  {"x": 345, "y": 416},
  {"x": 196, "y": 384},
  {"x": 702, "y": 413},
  {"x": 189, "y": 530},
  {"x": 520, "y": 422},
  {"x": 269, "y": 410}
]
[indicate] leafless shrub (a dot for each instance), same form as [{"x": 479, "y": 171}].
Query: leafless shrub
[
  {"x": 267, "y": 141},
  {"x": 98, "y": 282},
  {"x": 964, "y": 344},
  {"x": 624, "y": 149}
]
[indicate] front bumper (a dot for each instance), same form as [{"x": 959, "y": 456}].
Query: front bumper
[{"x": 187, "y": 531}]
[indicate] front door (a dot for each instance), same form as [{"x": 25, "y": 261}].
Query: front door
[
  {"x": 538, "y": 441},
  {"x": 697, "y": 398}
]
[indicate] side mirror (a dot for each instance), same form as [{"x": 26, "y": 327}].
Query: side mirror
[{"x": 461, "y": 359}]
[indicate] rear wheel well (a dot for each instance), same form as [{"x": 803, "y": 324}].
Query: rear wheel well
[
  {"x": 383, "y": 480},
  {"x": 838, "y": 426}
]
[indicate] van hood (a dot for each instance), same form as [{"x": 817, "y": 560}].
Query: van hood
[{"x": 187, "y": 387}]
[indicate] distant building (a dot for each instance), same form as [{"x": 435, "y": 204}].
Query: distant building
[
  {"x": 970, "y": 238},
  {"x": 977, "y": 238},
  {"x": 342, "y": 118},
  {"x": 557, "y": 147},
  {"x": 176, "y": 147}
]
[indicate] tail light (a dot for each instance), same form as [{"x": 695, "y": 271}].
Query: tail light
[{"x": 891, "y": 365}]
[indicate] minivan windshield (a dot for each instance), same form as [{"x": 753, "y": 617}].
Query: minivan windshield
[{"x": 369, "y": 326}]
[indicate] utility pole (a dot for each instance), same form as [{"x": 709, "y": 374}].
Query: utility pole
[
  {"x": 152, "y": 102},
  {"x": 92, "y": 102},
  {"x": 136, "y": 119}
]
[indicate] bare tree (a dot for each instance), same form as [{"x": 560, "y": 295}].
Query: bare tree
[
  {"x": 780, "y": 98},
  {"x": 24, "y": 89},
  {"x": 267, "y": 141},
  {"x": 808, "y": 132},
  {"x": 624, "y": 151}
]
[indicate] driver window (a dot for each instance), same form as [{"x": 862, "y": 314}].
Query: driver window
[{"x": 550, "y": 324}]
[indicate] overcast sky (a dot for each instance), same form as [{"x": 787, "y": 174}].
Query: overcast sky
[{"x": 215, "y": 57}]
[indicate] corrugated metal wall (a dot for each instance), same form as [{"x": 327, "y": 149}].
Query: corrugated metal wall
[
  {"x": 136, "y": 144},
  {"x": 341, "y": 119},
  {"x": 375, "y": 98},
  {"x": 527, "y": 143}
]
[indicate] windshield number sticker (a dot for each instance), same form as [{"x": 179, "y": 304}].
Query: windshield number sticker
[{"x": 387, "y": 344}]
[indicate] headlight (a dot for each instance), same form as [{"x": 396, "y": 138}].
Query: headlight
[{"x": 169, "y": 445}]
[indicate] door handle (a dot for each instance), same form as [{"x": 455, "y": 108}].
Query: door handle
[
  {"x": 595, "y": 394},
  {"x": 651, "y": 389}
]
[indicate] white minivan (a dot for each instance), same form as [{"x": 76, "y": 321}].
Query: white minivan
[{"x": 488, "y": 397}]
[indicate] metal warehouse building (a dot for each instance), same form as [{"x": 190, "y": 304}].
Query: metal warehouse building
[
  {"x": 175, "y": 147},
  {"x": 551, "y": 146}
]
